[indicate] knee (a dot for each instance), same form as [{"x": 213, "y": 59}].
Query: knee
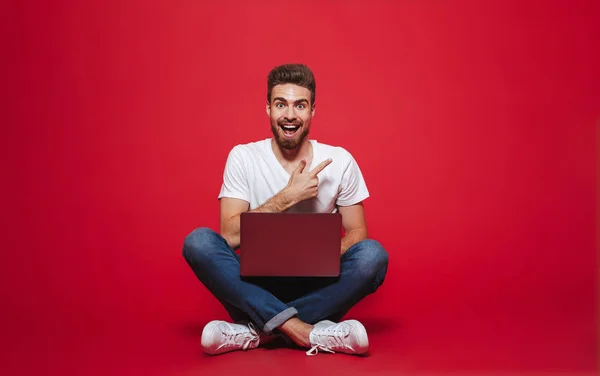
[
  {"x": 199, "y": 243},
  {"x": 373, "y": 260}
]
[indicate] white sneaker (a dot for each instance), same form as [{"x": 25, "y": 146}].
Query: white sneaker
[
  {"x": 349, "y": 337},
  {"x": 220, "y": 336}
]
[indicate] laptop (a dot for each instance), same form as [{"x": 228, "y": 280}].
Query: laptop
[{"x": 290, "y": 244}]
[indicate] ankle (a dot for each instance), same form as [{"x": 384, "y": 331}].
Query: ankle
[{"x": 298, "y": 331}]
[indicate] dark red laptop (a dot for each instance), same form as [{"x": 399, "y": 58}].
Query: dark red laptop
[{"x": 290, "y": 244}]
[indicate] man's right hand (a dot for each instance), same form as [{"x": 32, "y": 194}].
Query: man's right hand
[{"x": 305, "y": 185}]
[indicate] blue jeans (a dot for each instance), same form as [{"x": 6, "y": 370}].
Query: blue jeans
[{"x": 270, "y": 302}]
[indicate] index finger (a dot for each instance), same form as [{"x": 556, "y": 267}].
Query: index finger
[{"x": 320, "y": 167}]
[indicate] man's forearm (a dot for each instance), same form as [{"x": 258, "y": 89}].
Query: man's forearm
[
  {"x": 352, "y": 237},
  {"x": 276, "y": 204}
]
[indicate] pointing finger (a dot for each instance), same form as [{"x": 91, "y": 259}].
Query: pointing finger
[{"x": 321, "y": 166}]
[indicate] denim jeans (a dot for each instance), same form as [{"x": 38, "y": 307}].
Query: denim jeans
[{"x": 270, "y": 302}]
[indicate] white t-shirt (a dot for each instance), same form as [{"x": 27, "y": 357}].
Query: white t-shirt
[{"x": 253, "y": 174}]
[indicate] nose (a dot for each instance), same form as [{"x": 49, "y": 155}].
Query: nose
[{"x": 290, "y": 114}]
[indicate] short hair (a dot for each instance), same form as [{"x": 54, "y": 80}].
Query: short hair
[{"x": 297, "y": 74}]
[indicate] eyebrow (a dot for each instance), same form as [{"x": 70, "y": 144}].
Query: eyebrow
[{"x": 303, "y": 100}]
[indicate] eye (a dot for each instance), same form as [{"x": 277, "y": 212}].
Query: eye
[
  {"x": 301, "y": 106},
  {"x": 279, "y": 105}
]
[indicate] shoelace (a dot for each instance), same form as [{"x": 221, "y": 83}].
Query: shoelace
[
  {"x": 232, "y": 334},
  {"x": 334, "y": 335}
]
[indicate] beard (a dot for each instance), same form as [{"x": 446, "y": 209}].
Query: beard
[{"x": 288, "y": 143}]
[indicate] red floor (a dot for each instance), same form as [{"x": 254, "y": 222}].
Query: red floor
[{"x": 168, "y": 343}]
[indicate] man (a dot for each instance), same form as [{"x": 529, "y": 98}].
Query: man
[{"x": 288, "y": 173}]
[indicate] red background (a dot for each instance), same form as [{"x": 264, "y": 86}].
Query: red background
[{"x": 474, "y": 124}]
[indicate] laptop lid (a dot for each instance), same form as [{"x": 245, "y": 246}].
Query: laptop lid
[{"x": 290, "y": 244}]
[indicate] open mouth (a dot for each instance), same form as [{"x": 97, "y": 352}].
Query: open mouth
[{"x": 289, "y": 130}]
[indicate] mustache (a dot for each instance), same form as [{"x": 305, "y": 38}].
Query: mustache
[{"x": 288, "y": 122}]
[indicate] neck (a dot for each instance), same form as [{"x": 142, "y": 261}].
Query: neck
[{"x": 302, "y": 151}]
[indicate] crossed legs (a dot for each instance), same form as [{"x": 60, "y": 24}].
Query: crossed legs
[{"x": 217, "y": 266}]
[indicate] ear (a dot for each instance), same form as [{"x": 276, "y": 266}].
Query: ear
[
  {"x": 268, "y": 108},
  {"x": 312, "y": 109}
]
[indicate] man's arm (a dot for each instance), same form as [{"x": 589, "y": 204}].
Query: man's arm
[{"x": 354, "y": 223}]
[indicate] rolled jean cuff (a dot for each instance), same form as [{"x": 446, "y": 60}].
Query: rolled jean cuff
[{"x": 279, "y": 319}]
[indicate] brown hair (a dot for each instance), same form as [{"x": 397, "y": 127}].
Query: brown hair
[{"x": 297, "y": 74}]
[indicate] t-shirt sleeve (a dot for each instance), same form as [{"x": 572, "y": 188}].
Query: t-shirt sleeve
[
  {"x": 353, "y": 188},
  {"x": 235, "y": 182}
]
